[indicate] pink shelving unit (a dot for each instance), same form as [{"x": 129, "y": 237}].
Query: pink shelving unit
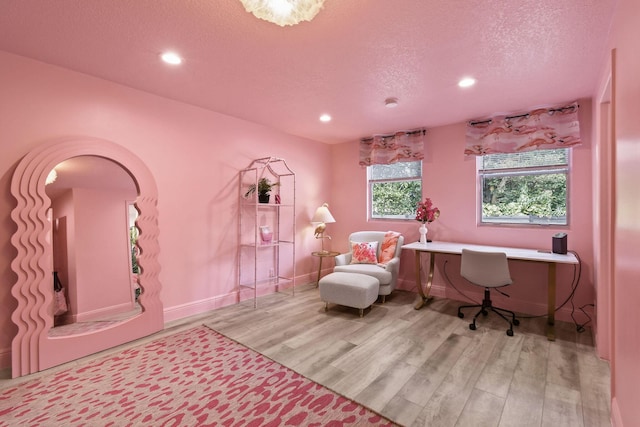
[{"x": 266, "y": 230}]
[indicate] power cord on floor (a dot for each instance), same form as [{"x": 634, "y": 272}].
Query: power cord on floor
[
  {"x": 450, "y": 283},
  {"x": 574, "y": 286},
  {"x": 577, "y": 274}
]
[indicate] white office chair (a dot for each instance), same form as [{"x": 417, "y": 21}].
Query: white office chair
[{"x": 489, "y": 270}]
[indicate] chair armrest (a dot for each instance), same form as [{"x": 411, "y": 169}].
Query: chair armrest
[
  {"x": 393, "y": 265},
  {"x": 343, "y": 259}
]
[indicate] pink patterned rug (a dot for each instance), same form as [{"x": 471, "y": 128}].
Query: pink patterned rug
[{"x": 193, "y": 378}]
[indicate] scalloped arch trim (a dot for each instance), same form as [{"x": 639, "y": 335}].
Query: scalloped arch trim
[{"x": 32, "y": 350}]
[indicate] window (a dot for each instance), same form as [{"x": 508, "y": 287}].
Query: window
[
  {"x": 524, "y": 188},
  {"x": 394, "y": 190}
]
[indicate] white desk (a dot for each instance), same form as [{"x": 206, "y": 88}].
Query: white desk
[{"x": 534, "y": 255}]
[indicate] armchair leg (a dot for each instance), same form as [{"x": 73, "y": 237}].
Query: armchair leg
[{"x": 383, "y": 298}]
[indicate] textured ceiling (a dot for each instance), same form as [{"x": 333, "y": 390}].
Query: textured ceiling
[{"x": 345, "y": 62}]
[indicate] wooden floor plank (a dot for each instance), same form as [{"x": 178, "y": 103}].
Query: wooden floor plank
[
  {"x": 562, "y": 406},
  {"x": 379, "y": 393},
  {"x": 421, "y": 387},
  {"x": 401, "y": 411},
  {"x": 482, "y": 410},
  {"x": 524, "y": 403},
  {"x": 360, "y": 376},
  {"x": 594, "y": 387},
  {"x": 562, "y": 367},
  {"x": 501, "y": 365},
  {"x": 447, "y": 403}
]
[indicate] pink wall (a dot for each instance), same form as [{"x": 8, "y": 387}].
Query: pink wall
[
  {"x": 449, "y": 179},
  {"x": 103, "y": 274},
  {"x": 64, "y": 254},
  {"x": 624, "y": 291},
  {"x": 96, "y": 241},
  {"x": 195, "y": 156}
]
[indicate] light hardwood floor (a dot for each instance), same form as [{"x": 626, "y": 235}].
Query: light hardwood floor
[
  {"x": 426, "y": 367},
  {"x": 418, "y": 367}
]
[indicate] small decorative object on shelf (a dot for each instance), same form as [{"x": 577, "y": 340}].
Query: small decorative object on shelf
[
  {"x": 426, "y": 213},
  {"x": 264, "y": 190},
  {"x": 266, "y": 234}
]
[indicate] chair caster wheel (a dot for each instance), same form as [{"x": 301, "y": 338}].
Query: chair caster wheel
[
  {"x": 510, "y": 332},
  {"x": 516, "y": 322},
  {"x": 461, "y": 315},
  {"x": 472, "y": 326}
]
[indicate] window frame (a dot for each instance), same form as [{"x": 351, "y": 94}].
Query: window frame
[
  {"x": 481, "y": 174},
  {"x": 371, "y": 182}
]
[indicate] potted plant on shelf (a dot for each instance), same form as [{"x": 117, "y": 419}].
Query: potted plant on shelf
[{"x": 264, "y": 189}]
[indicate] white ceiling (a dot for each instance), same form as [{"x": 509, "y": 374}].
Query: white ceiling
[{"x": 346, "y": 62}]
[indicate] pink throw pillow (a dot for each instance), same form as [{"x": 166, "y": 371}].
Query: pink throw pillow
[
  {"x": 388, "y": 248},
  {"x": 364, "y": 252}
]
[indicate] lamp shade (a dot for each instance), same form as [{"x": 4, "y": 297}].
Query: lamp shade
[{"x": 323, "y": 215}]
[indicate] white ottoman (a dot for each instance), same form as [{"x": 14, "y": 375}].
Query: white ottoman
[{"x": 350, "y": 289}]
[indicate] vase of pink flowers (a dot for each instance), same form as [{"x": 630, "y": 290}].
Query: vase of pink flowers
[{"x": 426, "y": 213}]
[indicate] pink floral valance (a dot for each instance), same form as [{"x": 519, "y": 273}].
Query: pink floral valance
[
  {"x": 401, "y": 146},
  {"x": 540, "y": 129}
]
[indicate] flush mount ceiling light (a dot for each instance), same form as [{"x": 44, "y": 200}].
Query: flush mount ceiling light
[
  {"x": 391, "y": 102},
  {"x": 325, "y": 118},
  {"x": 283, "y": 12},
  {"x": 171, "y": 58},
  {"x": 467, "y": 82}
]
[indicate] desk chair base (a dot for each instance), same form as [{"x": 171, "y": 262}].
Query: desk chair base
[{"x": 487, "y": 305}]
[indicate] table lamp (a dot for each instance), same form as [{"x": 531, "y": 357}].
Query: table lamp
[{"x": 322, "y": 217}]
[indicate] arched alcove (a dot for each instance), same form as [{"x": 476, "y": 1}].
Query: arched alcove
[{"x": 32, "y": 348}]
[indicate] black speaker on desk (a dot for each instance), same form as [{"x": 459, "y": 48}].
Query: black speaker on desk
[{"x": 559, "y": 243}]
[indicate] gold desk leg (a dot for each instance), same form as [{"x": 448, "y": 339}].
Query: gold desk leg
[
  {"x": 551, "y": 302},
  {"x": 424, "y": 296}
]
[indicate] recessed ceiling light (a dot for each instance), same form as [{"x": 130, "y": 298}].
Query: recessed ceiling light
[
  {"x": 325, "y": 118},
  {"x": 171, "y": 58},
  {"x": 391, "y": 102},
  {"x": 467, "y": 82}
]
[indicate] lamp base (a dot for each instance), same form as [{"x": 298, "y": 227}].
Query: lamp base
[{"x": 322, "y": 236}]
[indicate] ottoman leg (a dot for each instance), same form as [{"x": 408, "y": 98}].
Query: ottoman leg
[
  {"x": 361, "y": 312},
  {"x": 326, "y": 306}
]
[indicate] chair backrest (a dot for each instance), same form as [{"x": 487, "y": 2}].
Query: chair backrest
[
  {"x": 375, "y": 236},
  {"x": 487, "y": 269}
]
